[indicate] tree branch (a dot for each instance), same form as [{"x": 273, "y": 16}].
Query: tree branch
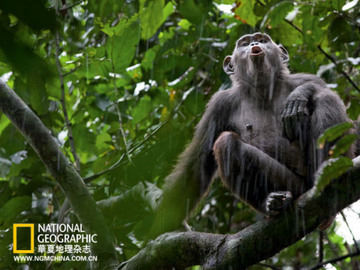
[
  {"x": 258, "y": 241},
  {"x": 321, "y": 265},
  {"x": 63, "y": 171},
  {"x": 63, "y": 103},
  {"x": 351, "y": 232}
]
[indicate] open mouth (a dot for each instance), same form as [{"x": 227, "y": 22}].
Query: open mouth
[{"x": 256, "y": 50}]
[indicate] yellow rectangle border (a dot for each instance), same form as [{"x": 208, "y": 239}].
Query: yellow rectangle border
[{"x": 32, "y": 244}]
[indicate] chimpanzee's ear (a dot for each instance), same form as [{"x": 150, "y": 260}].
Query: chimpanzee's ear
[
  {"x": 228, "y": 66},
  {"x": 284, "y": 54}
]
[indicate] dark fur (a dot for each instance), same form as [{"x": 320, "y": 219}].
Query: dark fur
[{"x": 261, "y": 135}]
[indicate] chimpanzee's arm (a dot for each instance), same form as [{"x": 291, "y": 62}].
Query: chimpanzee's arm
[{"x": 310, "y": 109}]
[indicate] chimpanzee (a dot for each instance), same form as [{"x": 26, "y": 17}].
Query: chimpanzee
[{"x": 260, "y": 135}]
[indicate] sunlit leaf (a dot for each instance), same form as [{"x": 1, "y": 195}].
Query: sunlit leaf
[
  {"x": 185, "y": 24},
  {"x": 151, "y": 17},
  {"x": 245, "y": 13}
]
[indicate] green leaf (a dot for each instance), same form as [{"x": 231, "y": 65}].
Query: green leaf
[
  {"x": 338, "y": 4},
  {"x": 343, "y": 145},
  {"x": 333, "y": 133},
  {"x": 38, "y": 96},
  {"x": 340, "y": 32},
  {"x": 336, "y": 239},
  {"x": 277, "y": 13},
  {"x": 246, "y": 13},
  {"x": 185, "y": 24},
  {"x": 13, "y": 208},
  {"x": 323, "y": 22},
  {"x": 84, "y": 141},
  {"x": 4, "y": 122},
  {"x": 101, "y": 163},
  {"x": 121, "y": 46},
  {"x": 354, "y": 109},
  {"x": 105, "y": 8},
  {"x": 148, "y": 61},
  {"x": 16, "y": 50},
  {"x": 102, "y": 141},
  {"x": 194, "y": 13},
  {"x": 15, "y": 169},
  {"x": 153, "y": 16},
  {"x": 312, "y": 33},
  {"x": 332, "y": 170},
  {"x": 142, "y": 110},
  {"x": 224, "y": 2},
  {"x": 168, "y": 10},
  {"x": 12, "y": 140}
]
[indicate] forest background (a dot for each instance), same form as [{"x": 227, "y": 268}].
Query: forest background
[{"x": 120, "y": 85}]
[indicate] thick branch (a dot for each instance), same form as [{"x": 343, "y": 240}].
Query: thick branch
[
  {"x": 63, "y": 171},
  {"x": 255, "y": 243}
]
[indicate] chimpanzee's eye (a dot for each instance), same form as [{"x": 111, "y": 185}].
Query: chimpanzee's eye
[
  {"x": 263, "y": 40},
  {"x": 243, "y": 43}
]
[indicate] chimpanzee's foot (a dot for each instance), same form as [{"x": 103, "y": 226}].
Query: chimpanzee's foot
[{"x": 277, "y": 202}]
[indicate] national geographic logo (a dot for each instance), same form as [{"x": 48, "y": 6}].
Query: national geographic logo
[
  {"x": 52, "y": 239},
  {"x": 23, "y": 238}
]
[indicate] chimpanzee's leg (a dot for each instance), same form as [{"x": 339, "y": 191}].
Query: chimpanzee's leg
[{"x": 254, "y": 176}]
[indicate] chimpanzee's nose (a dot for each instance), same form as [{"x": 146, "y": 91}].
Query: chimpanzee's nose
[{"x": 254, "y": 43}]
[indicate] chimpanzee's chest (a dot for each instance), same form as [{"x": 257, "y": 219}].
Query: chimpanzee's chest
[
  {"x": 263, "y": 129},
  {"x": 259, "y": 127}
]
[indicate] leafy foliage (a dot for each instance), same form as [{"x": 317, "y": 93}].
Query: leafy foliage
[{"x": 136, "y": 77}]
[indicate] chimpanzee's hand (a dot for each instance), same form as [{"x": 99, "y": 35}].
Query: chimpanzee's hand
[
  {"x": 277, "y": 202},
  {"x": 294, "y": 118}
]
